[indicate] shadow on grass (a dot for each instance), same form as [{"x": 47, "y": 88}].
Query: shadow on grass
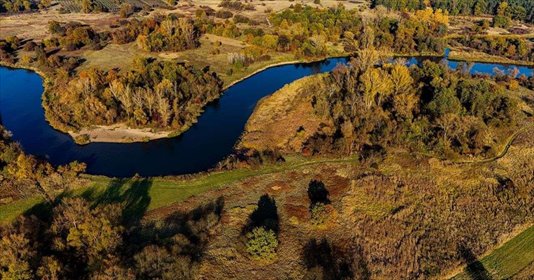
[
  {"x": 317, "y": 193},
  {"x": 325, "y": 261},
  {"x": 131, "y": 193},
  {"x": 475, "y": 269}
]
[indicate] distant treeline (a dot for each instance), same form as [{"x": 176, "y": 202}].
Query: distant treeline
[
  {"x": 310, "y": 32},
  {"x": 155, "y": 34},
  {"x": 159, "y": 33},
  {"x": 515, "y": 9},
  {"x": 516, "y": 48},
  {"x": 15, "y": 6}
]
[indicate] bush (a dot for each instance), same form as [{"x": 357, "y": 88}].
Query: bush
[
  {"x": 319, "y": 214},
  {"x": 224, "y": 14},
  {"x": 262, "y": 244}
]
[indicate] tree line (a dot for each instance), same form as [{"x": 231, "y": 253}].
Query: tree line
[
  {"x": 516, "y": 48},
  {"x": 72, "y": 36},
  {"x": 159, "y": 33},
  {"x": 15, "y": 6},
  {"x": 514, "y": 9}
]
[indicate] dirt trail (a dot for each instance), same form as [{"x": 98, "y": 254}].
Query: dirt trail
[{"x": 503, "y": 152}]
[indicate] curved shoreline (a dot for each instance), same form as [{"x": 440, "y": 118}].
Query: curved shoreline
[
  {"x": 282, "y": 64},
  {"x": 110, "y": 133}
]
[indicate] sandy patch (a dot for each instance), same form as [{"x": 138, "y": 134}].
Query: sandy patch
[{"x": 118, "y": 134}]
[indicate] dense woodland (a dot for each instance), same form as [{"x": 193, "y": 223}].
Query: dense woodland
[
  {"x": 160, "y": 33},
  {"x": 428, "y": 108},
  {"x": 514, "y": 9},
  {"x": 154, "y": 94}
]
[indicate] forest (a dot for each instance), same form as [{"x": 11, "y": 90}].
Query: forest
[
  {"x": 156, "y": 94},
  {"x": 75, "y": 238},
  {"x": 514, "y": 9},
  {"x": 429, "y": 108}
]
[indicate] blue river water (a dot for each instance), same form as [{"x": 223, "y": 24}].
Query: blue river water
[{"x": 198, "y": 149}]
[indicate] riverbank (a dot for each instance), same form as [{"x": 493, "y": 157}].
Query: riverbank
[
  {"x": 476, "y": 56},
  {"x": 118, "y": 133}
]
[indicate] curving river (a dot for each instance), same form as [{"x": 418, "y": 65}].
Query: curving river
[{"x": 198, "y": 149}]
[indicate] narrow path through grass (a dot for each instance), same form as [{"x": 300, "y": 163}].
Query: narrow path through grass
[{"x": 503, "y": 152}]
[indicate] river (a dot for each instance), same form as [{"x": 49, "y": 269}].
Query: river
[{"x": 198, "y": 149}]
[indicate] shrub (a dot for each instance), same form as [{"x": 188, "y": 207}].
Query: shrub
[
  {"x": 319, "y": 214},
  {"x": 262, "y": 244}
]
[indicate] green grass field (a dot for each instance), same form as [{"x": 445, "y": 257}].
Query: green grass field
[{"x": 506, "y": 261}]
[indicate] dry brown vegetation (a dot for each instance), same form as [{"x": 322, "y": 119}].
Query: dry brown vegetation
[
  {"x": 418, "y": 213},
  {"x": 284, "y": 120}
]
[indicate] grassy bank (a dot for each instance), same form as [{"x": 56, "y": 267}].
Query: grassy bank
[
  {"x": 505, "y": 262},
  {"x": 159, "y": 191}
]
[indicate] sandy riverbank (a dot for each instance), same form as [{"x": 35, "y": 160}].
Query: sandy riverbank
[{"x": 118, "y": 133}]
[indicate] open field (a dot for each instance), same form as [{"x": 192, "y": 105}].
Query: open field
[
  {"x": 506, "y": 262},
  {"x": 263, "y": 8},
  {"x": 35, "y": 25},
  {"x": 211, "y": 54}
]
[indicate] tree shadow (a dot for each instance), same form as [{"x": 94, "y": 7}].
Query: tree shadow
[
  {"x": 318, "y": 193},
  {"x": 325, "y": 261},
  {"x": 174, "y": 244},
  {"x": 265, "y": 215},
  {"x": 134, "y": 198},
  {"x": 475, "y": 269}
]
